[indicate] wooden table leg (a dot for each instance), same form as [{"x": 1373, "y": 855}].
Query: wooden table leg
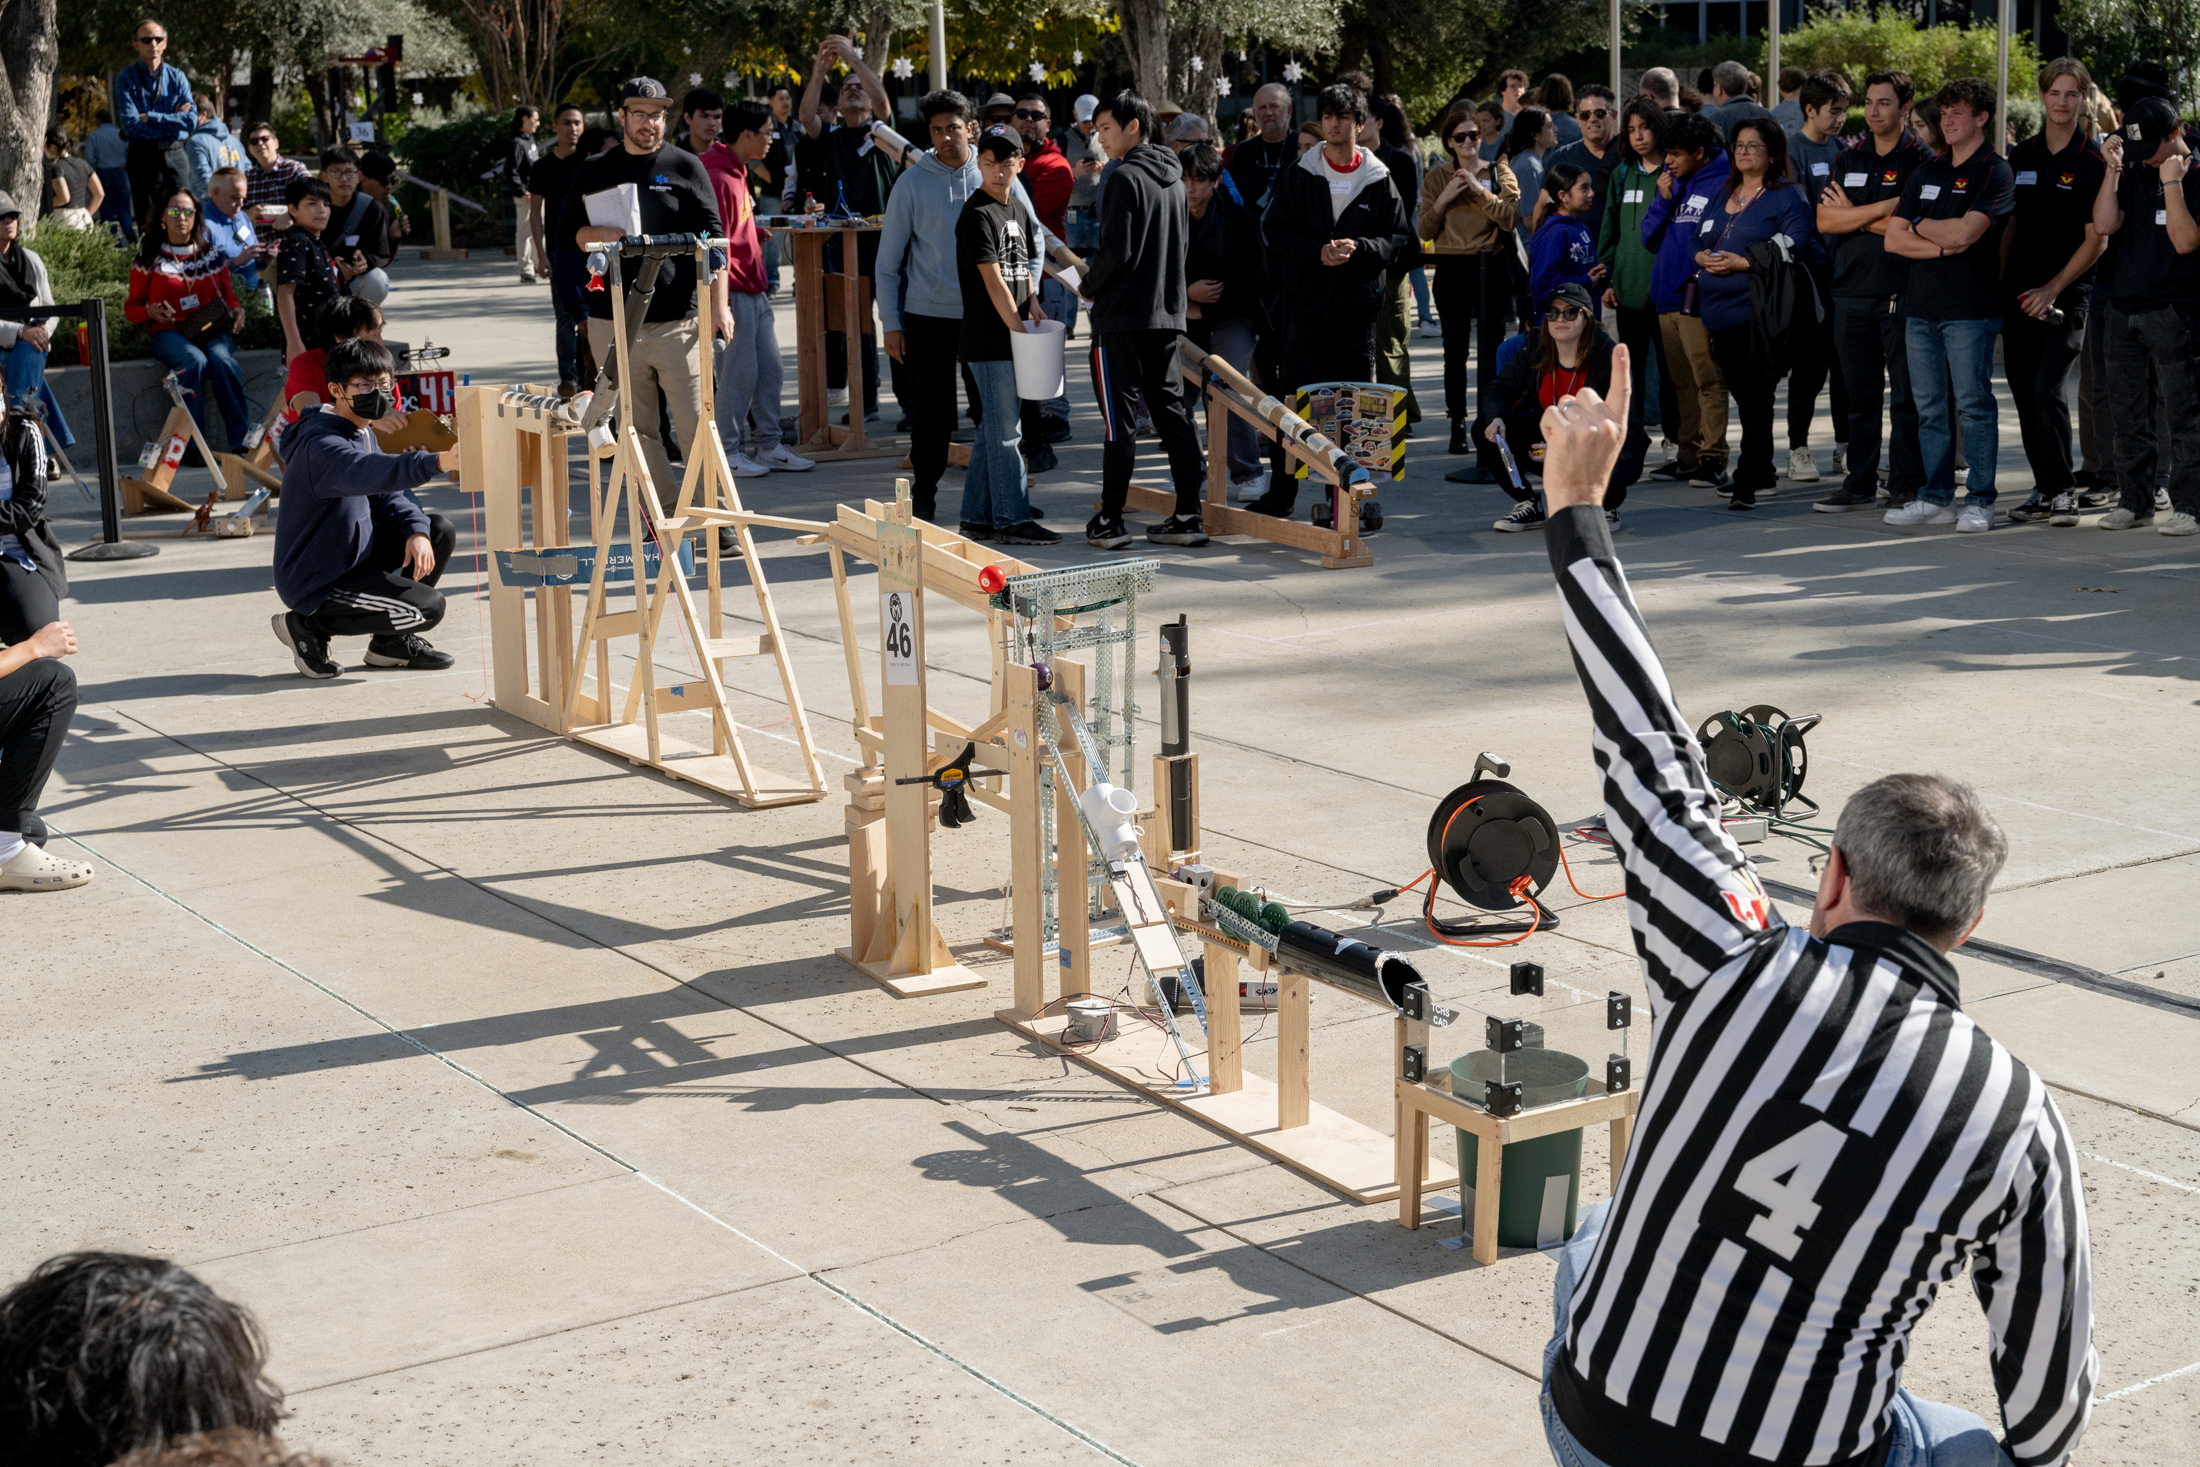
[
  {"x": 1225, "y": 1059},
  {"x": 1412, "y": 1161},
  {"x": 1294, "y": 1096},
  {"x": 1488, "y": 1187},
  {"x": 1623, "y": 1131}
]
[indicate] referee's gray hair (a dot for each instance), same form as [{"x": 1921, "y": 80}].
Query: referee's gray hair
[{"x": 1922, "y": 851}]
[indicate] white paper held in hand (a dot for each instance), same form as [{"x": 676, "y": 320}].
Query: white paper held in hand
[{"x": 617, "y": 208}]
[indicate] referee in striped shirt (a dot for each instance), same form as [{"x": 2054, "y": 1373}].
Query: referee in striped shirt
[{"x": 1825, "y": 1137}]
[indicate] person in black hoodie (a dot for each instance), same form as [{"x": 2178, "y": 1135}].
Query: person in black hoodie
[
  {"x": 355, "y": 555},
  {"x": 1335, "y": 226},
  {"x": 37, "y": 690},
  {"x": 1568, "y": 353},
  {"x": 1136, "y": 290},
  {"x": 1226, "y": 281}
]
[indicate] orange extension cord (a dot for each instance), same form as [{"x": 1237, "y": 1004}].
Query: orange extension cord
[{"x": 1518, "y": 890}]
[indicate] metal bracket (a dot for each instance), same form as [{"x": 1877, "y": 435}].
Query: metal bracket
[
  {"x": 1617, "y": 1073},
  {"x": 1501, "y": 1097},
  {"x": 1416, "y": 1063},
  {"x": 1503, "y": 1036},
  {"x": 1527, "y": 978},
  {"x": 1619, "y": 1010}
]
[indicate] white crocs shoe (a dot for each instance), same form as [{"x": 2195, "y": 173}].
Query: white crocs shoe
[{"x": 35, "y": 869}]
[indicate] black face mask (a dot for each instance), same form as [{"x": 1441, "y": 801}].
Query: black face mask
[{"x": 371, "y": 404}]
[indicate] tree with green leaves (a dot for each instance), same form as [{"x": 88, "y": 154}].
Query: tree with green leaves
[{"x": 2111, "y": 34}]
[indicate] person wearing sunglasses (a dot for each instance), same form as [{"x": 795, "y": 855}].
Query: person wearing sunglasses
[
  {"x": 154, "y": 100},
  {"x": 1568, "y": 354},
  {"x": 180, "y": 292},
  {"x": 1469, "y": 219}
]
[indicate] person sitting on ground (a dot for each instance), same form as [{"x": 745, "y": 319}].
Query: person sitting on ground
[
  {"x": 1824, "y": 1137},
  {"x": 355, "y": 555},
  {"x": 1568, "y": 353},
  {"x": 25, "y": 286},
  {"x": 1564, "y": 251},
  {"x": 180, "y": 293},
  {"x": 111, "y": 1353},
  {"x": 37, "y": 691},
  {"x": 305, "y": 277},
  {"x": 358, "y": 237},
  {"x": 340, "y": 320},
  {"x": 73, "y": 190}
]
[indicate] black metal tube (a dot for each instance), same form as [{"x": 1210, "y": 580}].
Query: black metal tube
[
  {"x": 103, "y": 421},
  {"x": 1357, "y": 967}
]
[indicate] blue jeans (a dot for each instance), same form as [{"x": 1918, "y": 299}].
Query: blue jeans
[
  {"x": 26, "y": 377},
  {"x": 569, "y": 308},
  {"x": 994, "y": 490},
  {"x": 115, "y": 208},
  {"x": 1961, "y": 352},
  {"x": 1926, "y": 1434},
  {"x": 1424, "y": 311},
  {"x": 1084, "y": 230},
  {"x": 211, "y": 368}
]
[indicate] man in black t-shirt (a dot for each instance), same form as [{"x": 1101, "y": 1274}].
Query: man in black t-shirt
[
  {"x": 1949, "y": 227},
  {"x": 1866, "y": 184},
  {"x": 673, "y": 195},
  {"x": 548, "y": 182},
  {"x": 2047, "y": 279},
  {"x": 996, "y": 258},
  {"x": 2150, "y": 204}
]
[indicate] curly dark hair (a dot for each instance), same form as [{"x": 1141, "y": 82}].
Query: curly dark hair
[
  {"x": 1973, "y": 92},
  {"x": 103, "y": 1354}
]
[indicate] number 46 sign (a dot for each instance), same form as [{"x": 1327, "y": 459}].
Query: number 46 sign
[{"x": 897, "y": 635}]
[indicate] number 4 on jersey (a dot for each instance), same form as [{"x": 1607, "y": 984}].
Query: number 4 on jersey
[{"x": 1785, "y": 1179}]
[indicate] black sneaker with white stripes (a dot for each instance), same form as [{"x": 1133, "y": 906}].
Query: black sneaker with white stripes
[
  {"x": 307, "y": 651},
  {"x": 410, "y": 651},
  {"x": 1527, "y": 514}
]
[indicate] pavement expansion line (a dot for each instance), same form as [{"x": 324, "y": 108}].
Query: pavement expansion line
[{"x": 814, "y": 1276}]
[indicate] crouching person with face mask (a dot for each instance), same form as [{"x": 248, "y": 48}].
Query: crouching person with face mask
[{"x": 355, "y": 555}]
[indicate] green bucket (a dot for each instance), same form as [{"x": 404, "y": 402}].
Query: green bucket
[{"x": 1541, "y": 1191}]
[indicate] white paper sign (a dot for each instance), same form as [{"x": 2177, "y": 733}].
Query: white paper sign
[{"x": 898, "y": 635}]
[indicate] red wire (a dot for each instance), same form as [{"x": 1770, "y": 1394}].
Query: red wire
[{"x": 1586, "y": 896}]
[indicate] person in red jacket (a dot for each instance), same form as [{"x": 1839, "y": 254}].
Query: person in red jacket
[{"x": 180, "y": 293}]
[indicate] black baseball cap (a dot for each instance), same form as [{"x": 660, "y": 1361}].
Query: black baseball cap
[
  {"x": 1003, "y": 142},
  {"x": 644, "y": 89},
  {"x": 1572, "y": 294},
  {"x": 2150, "y": 120}
]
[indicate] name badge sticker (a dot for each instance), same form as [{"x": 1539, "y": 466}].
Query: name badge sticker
[
  {"x": 1632, "y": 196},
  {"x": 2027, "y": 178},
  {"x": 1821, "y": 168},
  {"x": 1929, "y": 191},
  {"x": 2161, "y": 217},
  {"x": 1855, "y": 180}
]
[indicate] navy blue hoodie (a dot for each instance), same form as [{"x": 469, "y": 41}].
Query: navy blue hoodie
[{"x": 337, "y": 482}]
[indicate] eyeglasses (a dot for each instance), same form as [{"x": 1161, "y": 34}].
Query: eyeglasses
[
  {"x": 1462, "y": 135},
  {"x": 1749, "y": 147},
  {"x": 1818, "y": 863},
  {"x": 1567, "y": 313},
  {"x": 181, "y": 213},
  {"x": 380, "y": 384},
  {"x": 1587, "y": 113},
  {"x": 152, "y": 40},
  {"x": 1030, "y": 114}
]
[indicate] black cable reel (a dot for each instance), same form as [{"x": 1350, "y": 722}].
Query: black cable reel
[
  {"x": 1757, "y": 756},
  {"x": 1495, "y": 847}
]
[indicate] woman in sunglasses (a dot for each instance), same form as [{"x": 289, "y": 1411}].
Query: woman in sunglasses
[
  {"x": 1568, "y": 353},
  {"x": 1760, "y": 202},
  {"x": 180, "y": 292},
  {"x": 1469, "y": 218}
]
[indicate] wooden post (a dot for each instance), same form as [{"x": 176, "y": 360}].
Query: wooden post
[
  {"x": 1294, "y": 1032},
  {"x": 1488, "y": 1188},
  {"x": 1072, "y": 861},
  {"x": 1225, "y": 1058},
  {"x": 439, "y": 215}
]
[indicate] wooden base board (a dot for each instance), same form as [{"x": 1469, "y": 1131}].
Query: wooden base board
[
  {"x": 1334, "y": 1150},
  {"x": 958, "y": 457},
  {"x": 682, "y": 760},
  {"x": 953, "y": 978},
  {"x": 1224, "y": 519},
  {"x": 139, "y": 497}
]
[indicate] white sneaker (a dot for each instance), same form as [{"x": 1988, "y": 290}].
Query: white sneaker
[
  {"x": 1245, "y": 491},
  {"x": 2180, "y": 523},
  {"x": 2120, "y": 518},
  {"x": 1669, "y": 448},
  {"x": 780, "y": 456},
  {"x": 2161, "y": 500},
  {"x": 1839, "y": 468},
  {"x": 1801, "y": 468},
  {"x": 34, "y": 869},
  {"x": 1921, "y": 512},
  {"x": 1963, "y": 475},
  {"x": 836, "y": 397},
  {"x": 1975, "y": 518},
  {"x": 745, "y": 467}
]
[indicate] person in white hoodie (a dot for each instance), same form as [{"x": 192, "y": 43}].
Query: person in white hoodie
[{"x": 920, "y": 302}]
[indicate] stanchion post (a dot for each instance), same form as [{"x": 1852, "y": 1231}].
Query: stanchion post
[{"x": 110, "y": 545}]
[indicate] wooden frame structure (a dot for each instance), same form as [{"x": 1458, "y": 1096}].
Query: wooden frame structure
[
  {"x": 513, "y": 446},
  {"x": 1231, "y": 394},
  {"x": 818, "y": 308}
]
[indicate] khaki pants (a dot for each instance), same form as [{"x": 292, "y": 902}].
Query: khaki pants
[
  {"x": 1698, "y": 390},
  {"x": 663, "y": 360},
  {"x": 531, "y": 264}
]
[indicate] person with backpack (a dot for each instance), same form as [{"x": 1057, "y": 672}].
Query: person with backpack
[{"x": 358, "y": 235}]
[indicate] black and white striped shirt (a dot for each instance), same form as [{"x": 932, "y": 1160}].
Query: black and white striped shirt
[{"x": 1824, "y": 1139}]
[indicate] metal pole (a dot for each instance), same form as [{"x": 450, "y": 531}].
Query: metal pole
[
  {"x": 2004, "y": 18},
  {"x": 110, "y": 545},
  {"x": 939, "y": 45},
  {"x": 1772, "y": 47},
  {"x": 1617, "y": 89}
]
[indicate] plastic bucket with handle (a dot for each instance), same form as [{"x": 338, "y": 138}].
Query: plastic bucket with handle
[{"x": 1038, "y": 353}]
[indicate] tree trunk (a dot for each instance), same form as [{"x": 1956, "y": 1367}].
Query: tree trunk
[
  {"x": 259, "y": 93},
  {"x": 1146, "y": 42},
  {"x": 1194, "y": 89},
  {"x": 26, "y": 94},
  {"x": 878, "y": 38}
]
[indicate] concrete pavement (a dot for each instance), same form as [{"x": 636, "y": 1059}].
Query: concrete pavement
[{"x": 521, "y": 1096}]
